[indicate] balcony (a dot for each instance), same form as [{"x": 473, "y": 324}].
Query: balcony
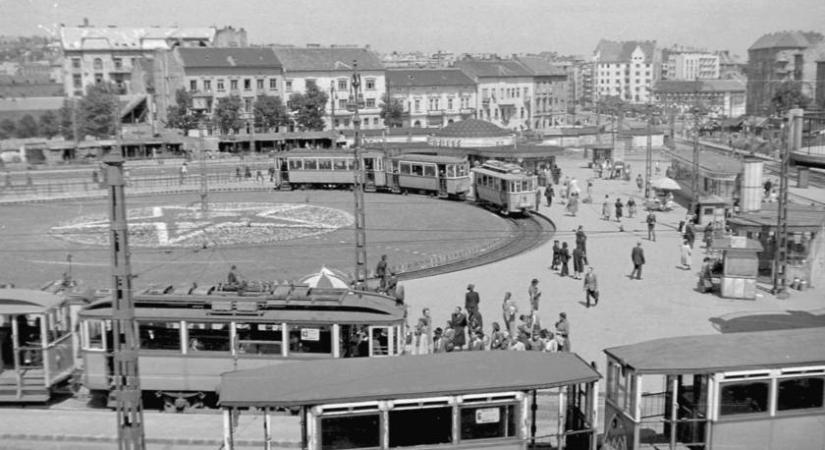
[{"x": 435, "y": 112}]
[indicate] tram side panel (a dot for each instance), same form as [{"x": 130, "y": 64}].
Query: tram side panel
[{"x": 798, "y": 432}]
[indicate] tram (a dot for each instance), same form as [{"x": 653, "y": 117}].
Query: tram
[
  {"x": 506, "y": 187},
  {"x": 189, "y": 336},
  {"x": 462, "y": 400},
  {"x": 755, "y": 390},
  {"x": 446, "y": 176}
]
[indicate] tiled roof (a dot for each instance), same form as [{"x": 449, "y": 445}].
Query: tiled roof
[
  {"x": 786, "y": 39},
  {"x": 686, "y": 87},
  {"x": 327, "y": 59},
  {"x": 618, "y": 52},
  {"x": 428, "y": 77},
  {"x": 128, "y": 38},
  {"x": 205, "y": 57},
  {"x": 498, "y": 69},
  {"x": 472, "y": 128},
  {"x": 541, "y": 67}
]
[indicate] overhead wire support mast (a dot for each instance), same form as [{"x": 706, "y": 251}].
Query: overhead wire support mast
[
  {"x": 792, "y": 142},
  {"x": 358, "y": 187},
  {"x": 694, "y": 181},
  {"x": 648, "y": 152}
]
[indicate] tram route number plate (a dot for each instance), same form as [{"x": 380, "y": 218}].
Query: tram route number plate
[
  {"x": 487, "y": 415},
  {"x": 310, "y": 334}
]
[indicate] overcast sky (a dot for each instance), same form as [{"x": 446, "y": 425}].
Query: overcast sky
[{"x": 566, "y": 26}]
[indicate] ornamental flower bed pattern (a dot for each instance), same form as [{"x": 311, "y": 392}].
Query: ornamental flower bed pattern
[{"x": 224, "y": 224}]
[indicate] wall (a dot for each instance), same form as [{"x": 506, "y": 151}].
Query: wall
[
  {"x": 408, "y": 96},
  {"x": 370, "y": 116},
  {"x": 505, "y": 110}
]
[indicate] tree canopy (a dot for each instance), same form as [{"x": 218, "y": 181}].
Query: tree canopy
[
  {"x": 180, "y": 115},
  {"x": 27, "y": 127},
  {"x": 8, "y": 129},
  {"x": 308, "y": 109},
  {"x": 789, "y": 95},
  {"x": 392, "y": 111},
  {"x": 100, "y": 111},
  {"x": 66, "y": 120},
  {"x": 270, "y": 112},
  {"x": 48, "y": 124},
  {"x": 227, "y": 114}
]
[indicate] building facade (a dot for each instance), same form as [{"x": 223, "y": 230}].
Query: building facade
[
  {"x": 680, "y": 63},
  {"x": 548, "y": 105},
  {"x": 723, "y": 98},
  {"x": 504, "y": 90},
  {"x": 331, "y": 69},
  {"x": 432, "y": 98},
  {"x": 625, "y": 69}
]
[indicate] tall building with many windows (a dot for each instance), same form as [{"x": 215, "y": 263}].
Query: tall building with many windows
[
  {"x": 504, "y": 91},
  {"x": 432, "y": 98},
  {"x": 548, "y": 105},
  {"x": 625, "y": 69}
]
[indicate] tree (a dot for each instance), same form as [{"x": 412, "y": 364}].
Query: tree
[
  {"x": 67, "y": 115},
  {"x": 8, "y": 129},
  {"x": 180, "y": 115},
  {"x": 308, "y": 109},
  {"x": 787, "y": 96},
  {"x": 27, "y": 127},
  {"x": 228, "y": 114},
  {"x": 392, "y": 110},
  {"x": 270, "y": 112},
  {"x": 99, "y": 111},
  {"x": 49, "y": 125}
]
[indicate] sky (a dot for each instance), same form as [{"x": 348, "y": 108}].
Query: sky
[{"x": 504, "y": 27}]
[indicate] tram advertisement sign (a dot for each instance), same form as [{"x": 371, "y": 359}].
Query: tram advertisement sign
[
  {"x": 310, "y": 334},
  {"x": 488, "y": 415}
]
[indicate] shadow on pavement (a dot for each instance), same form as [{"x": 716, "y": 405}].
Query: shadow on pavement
[{"x": 750, "y": 321}]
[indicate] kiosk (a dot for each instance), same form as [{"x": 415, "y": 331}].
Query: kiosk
[
  {"x": 740, "y": 265},
  {"x": 711, "y": 209}
]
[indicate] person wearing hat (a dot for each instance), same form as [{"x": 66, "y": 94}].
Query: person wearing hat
[
  {"x": 535, "y": 295},
  {"x": 563, "y": 332},
  {"x": 471, "y": 299}
]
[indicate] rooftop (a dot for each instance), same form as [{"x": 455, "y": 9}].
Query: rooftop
[
  {"x": 498, "y": 69},
  {"x": 710, "y": 161},
  {"x": 327, "y": 59},
  {"x": 205, "y": 57},
  {"x": 472, "y": 128},
  {"x": 687, "y": 87},
  {"x": 621, "y": 51},
  {"x": 129, "y": 38},
  {"x": 541, "y": 67},
  {"x": 787, "y": 39},
  {"x": 26, "y": 301},
  {"x": 427, "y": 77},
  {"x": 369, "y": 379}
]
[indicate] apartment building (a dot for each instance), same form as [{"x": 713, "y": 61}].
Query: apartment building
[
  {"x": 548, "y": 105},
  {"x": 625, "y": 69},
  {"x": 504, "y": 90},
  {"x": 721, "y": 97},
  {"x": 432, "y": 98}
]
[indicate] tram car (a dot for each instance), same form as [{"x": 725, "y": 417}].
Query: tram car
[
  {"x": 506, "y": 187},
  {"x": 324, "y": 168},
  {"x": 189, "y": 336},
  {"x": 446, "y": 176}
]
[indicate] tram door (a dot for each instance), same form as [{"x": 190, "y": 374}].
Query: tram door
[
  {"x": 395, "y": 183},
  {"x": 442, "y": 180},
  {"x": 21, "y": 353},
  {"x": 369, "y": 174}
]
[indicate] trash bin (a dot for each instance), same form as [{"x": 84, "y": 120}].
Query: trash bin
[{"x": 803, "y": 177}]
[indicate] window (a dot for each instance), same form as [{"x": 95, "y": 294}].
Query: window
[
  {"x": 247, "y": 84},
  {"x": 324, "y": 164},
  {"x": 744, "y": 397},
  {"x": 77, "y": 81},
  {"x": 370, "y": 84},
  {"x": 259, "y": 84},
  {"x": 193, "y": 85},
  {"x": 310, "y": 339},
  {"x": 159, "y": 335},
  {"x": 342, "y": 103},
  {"x": 208, "y": 336},
  {"x": 289, "y": 85},
  {"x": 75, "y": 63},
  {"x": 310, "y": 164},
  {"x": 449, "y": 103},
  {"x": 487, "y": 422},
  {"x": 617, "y": 386},
  {"x": 247, "y": 104},
  {"x": 207, "y": 85},
  {"x": 339, "y": 164},
  {"x": 342, "y": 84},
  {"x": 259, "y": 338},
  {"x": 370, "y": 103},
  {"x": 800, "y": 393},
  {"x": 429, "y": 171},
  {"x": 432, "y": 426},
  {"x": 233, "y": 85},
  {"x": 346, "y": 432},
  {"x": 97, "y": 64},
  {"x": 118, "y": 63},
  {"x": 273, "y": 84},
  {"x": 98, "y": 78},
  {"x": 417, "y": 105},
  {"x": 220, "y": 86},
  {"x": 99, "y": 334},
  {"x": 417, "y": 169},
  {"x": 375, "y": 120},
  {"x": 295, "y": 164}
]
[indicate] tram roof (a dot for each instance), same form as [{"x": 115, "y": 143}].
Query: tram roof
[
  {"x": 327, "y": 153},
  {"x": 27, "y": 301},
  {"x": 436, "y": 159},
  {"x": 369, "y": 379},
  {"x": 724, "y": 352}
]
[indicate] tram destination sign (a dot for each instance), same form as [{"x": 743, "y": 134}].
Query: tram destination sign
[
  {"x": 310, "y": 334},
  {"x": 488, "y": 415}
]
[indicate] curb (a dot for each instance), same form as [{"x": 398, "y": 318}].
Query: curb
[
  {"x": 104, "y": 194},
  {"x": 148, "y": 440}
]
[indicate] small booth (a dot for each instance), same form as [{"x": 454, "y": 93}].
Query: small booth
[
  {"x": 599, "y": 153},
  {"x": 739, "y": 265},
  {"x": 711, "y": 209},
  {"x": 462, "y": 400}
]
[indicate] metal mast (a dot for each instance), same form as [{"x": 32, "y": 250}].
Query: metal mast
[
  {"x": 124, "y": 341},
  {"x": 694, "y": 181},
  {"x": 792, "y": 142},
  {"x": 204, "y": 185},
  {"x": 358, "y": 187},
  {"x": 648, "y": 153}
]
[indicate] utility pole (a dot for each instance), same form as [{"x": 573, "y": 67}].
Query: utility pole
[
  {"x": 792, "y": 142},
  {"x": 358, "y": 187},
  {"x": 204, "y": 183},
  {"x": 130, "y": 434},
  {"x": 694, "y": 182},
  {"x": 648, "y": 153}
]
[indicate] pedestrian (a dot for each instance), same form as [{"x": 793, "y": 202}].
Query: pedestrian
[
  {"x": 509, "y": 311},
  {"x": 535, "y": 295},
  {"x": 471, "y": 299},
  {"x": 651, "y": 226},
  {"x": 423, "y": 338},
  {"x": 475, "y": 323},
  {"x": 589, "y": 190},
  {"x": 538, "y": 199},
  {"x": 619, "y": 206},
  {"x": 638, "y": 258},
  {"x": 563, "y": 331},
  {"x": 606, "y": 212},
  {"x": 548, "y": 194},
  {"x": 591, "y": 287},
  {"x": 554, "y": 265},
  {"x": 238, "y": 173},
  {"x": 579, "y": 261},
  {"x": 564, "y": 258},
  {"x": 458, "y": 323},
  {"x": 438, "y": 341},
  {"x": 497, "y": 337},
  {"x": 685, "y": 252},
  {"x": 271, "y": 172},
  {"x": 247, "y": 172},
  {"x": 232, "y": 277},
  {"x": 639, "y": 182},
  {"x": 690, "y": 232},
  {"x": 381, "y": 273},
  {"x": 581, "y": 239},
  {"x": 259, "y": 176},
  {"x": 708, "y": 235},
  {"x": 631, "y": 208}
]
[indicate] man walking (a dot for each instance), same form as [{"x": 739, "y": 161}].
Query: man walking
[
  {"x": 381, "y": 273},
  {"x": 535, "y": 294},
  {"x": 548, "y": 194},
  {"x": 591, "y": 287},
  {"x": 581, "y": 240},
  {"x": 651, "y": 226},
  {"x": 471, "y": 299},
  {"x": 638, "y": 257}
]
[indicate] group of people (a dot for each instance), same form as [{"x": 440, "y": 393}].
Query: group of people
[
  {"x": 562, "y": 257},
  {"x": 617, "y": 209}
]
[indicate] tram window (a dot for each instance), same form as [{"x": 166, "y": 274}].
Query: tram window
[
  {"x": 426, "y": 426},
  {"x": 514, "y": 186},
  {"x": 345, "y": 432},
  {"x": 525, "y": 186},
  {"x": 405, "y": 169},
  {"x": 259, "y": 338},
  {"x": 380, "y": 341},
  {"x": 58, "y": 325},
  {"x": 310, "y": 164},
  {"x": 310, "y": 339},
  {"x": 744, "y": 398},
  {"x": 96, "y": 339},
  {"x": 208, "y": 337},
  {"x": 486, "y": 422},
  {"x": 159, "y": 335},
  {"x": 295, "y": 164},
  {"x": 429, "y": 171},
  {"x": 325, "y": 164},
  {"x": 339, "y": 164},
  {"x": 350, "y": 164},
  {"x": 417, "y": 170},
  {"x": 451, "y": 171},
  {"x": 463, "y": 170},
  {"x": 800, "y": 393}
]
